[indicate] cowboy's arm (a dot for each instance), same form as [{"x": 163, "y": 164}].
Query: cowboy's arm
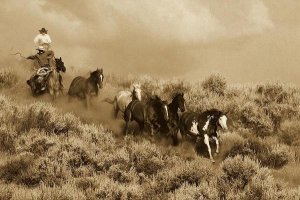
[{"x": 49, "y": 39}]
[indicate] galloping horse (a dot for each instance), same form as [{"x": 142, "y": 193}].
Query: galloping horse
[
  {"x": 83, "y": 88},
  {"x": 178, "y": 103},
  {"x": 123, "y": 98},
  {"x": 153, "y": 113},
  {"x": 54, "y": 79},
  {"x": 203, "y": 125}
]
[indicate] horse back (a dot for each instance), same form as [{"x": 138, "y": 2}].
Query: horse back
[
  {"x": 123, "y": 99},
  {"x": 135, "y": 111},
  {"x": 78, "y": 85},
  {"x": 186, "y": 120}
]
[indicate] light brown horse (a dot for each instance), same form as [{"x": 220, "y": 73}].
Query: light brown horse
[{"x": 123, "y": 98}]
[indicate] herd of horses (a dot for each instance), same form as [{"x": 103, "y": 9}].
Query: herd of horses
[{"x": 153, "y": 113}]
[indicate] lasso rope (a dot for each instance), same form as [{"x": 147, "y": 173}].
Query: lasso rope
[{"x": 18, "y": 53}]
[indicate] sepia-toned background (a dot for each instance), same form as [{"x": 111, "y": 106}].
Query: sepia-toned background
[{"x": 246, "y": 41}]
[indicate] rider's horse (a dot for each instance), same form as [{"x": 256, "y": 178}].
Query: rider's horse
[
  {"x": 50, "y": 76},
  {"x": 54, "y": 79}
]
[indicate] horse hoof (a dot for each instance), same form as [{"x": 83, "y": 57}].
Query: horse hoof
[{"x": 212, "y": 160}]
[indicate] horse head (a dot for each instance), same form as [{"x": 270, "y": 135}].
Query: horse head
[
  {"x": 214, "y": 118},
  {"x": 60, "y": 65},
  {"x": 180, "y": 101},
  {"x": 222, "y": 121},
  {"x": 98, "y": 77},
  {"x": 136, "y": 92}
]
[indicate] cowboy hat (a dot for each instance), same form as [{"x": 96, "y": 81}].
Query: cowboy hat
[
  {"x": 43, "y": 30},
  {"x": 40, "y": 48}
]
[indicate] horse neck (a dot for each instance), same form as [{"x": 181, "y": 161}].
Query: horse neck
[
  {"x": 133, "y": 97},
  {"x": 173, "y": 106},
  {"x": 91, "y": 79}
]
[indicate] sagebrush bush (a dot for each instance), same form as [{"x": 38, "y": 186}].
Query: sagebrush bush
[
  {"x": 254, "y": 117},
  {"x": 65, "y": 192},
  {"x": 238, "y": 171},
  {"x": 6, "y": 193},
  {"x": 13, "y": 168},
  {"x": 7, "y": 139},
  {"x": 290, "y": 133},
  {"x": 215, "y": 84},
  {"x": 8, "y": 78},
  {"x": 146, "y": 158},
  {"x": 108, "y": 189},
  {"x": 263, "y": 186},
  {"x": 229, "y": 140},
  {"x": 203, "y": 191},
  {"x": 123, "y": 175},
  {"x": 268, "y": 154},
  {"x": 193, "y": 173}
]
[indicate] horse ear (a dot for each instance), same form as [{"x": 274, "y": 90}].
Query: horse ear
[{"x": 60, "y": 58}]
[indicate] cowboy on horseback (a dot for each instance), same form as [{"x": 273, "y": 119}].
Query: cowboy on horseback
[{"x": 44, "y": 61}]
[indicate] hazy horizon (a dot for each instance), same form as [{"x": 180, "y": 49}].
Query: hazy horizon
[{"x": 245, "y": 41}]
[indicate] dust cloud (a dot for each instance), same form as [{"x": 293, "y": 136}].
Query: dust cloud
[{"x": 246, "y": 41}]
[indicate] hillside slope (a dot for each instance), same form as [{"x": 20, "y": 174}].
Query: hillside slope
[{"x": 49, "y": 153}]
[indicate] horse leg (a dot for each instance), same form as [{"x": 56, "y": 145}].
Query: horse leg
[
  {"x": 126, "y": 128},
  {"x": 206, "y": 141},
  {"x": 217, "y": 143},
  {"x": 141, "y": 126},
  {"x": 151, "y": 129}
]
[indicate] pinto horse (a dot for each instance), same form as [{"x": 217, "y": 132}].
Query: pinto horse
[
  {"x": 84, "y": 88},
  {"x": 153, "y": 113},
  {"x": 203, "y": 125},
  {"x": 123, "y": 98}
]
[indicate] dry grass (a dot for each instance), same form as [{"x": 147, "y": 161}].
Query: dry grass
[{"x": 48, "y": 155}]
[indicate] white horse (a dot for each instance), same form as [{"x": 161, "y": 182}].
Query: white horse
[{"x": 123, "y": 98}]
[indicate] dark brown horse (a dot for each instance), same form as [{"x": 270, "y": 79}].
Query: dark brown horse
[
  {"x": 177, "y": 104},
  {"x": 84, "y": 88},
  {"x": 203, "y": 125},
  {"x": 153, "y": 113}
]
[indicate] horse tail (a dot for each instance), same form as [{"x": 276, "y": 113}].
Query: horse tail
[{"x": 108, "y": 100}]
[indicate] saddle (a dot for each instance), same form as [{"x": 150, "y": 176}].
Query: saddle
[
  {"x": 43, "y": 71},
  {"x": 42, "y": 74}
]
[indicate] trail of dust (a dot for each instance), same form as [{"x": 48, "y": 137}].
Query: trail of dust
[{"x": 99, "y": 113}]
